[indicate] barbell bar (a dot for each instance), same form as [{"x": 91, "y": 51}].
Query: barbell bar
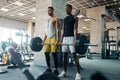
[
  {"x": 36, "y": 44},
  {"x": 81, "y": 44}
]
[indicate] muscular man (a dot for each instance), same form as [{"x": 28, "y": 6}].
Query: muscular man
[
  {"x": 69, "y": 32},
  {"x": 51, "y": 37}
]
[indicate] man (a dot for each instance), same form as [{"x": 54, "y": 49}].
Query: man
[
  {"x": 15, "y": 57},
  {"x": 69, "y": 32},
  {"x": 51, "y": 37}
]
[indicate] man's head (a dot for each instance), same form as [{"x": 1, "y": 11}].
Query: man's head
[
  {"x": 14, "y": 45},
  {"x": 68, "y": 8},
  {"x": 50, "y": 11}
]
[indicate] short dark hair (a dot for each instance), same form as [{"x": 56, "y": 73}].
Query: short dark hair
[
  {"x": 50, "y": 7},
  {"x": 69, "y": 5}
]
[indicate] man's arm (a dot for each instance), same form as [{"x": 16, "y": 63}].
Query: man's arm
[
  {"x": 75, "y": 27},
  {"x": 57, "y": 29},
  {"x": 62, "y": 34},
  {"x": 44, "y": 38}
]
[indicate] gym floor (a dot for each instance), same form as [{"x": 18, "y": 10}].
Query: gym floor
[{"x": 109, "y": 68}]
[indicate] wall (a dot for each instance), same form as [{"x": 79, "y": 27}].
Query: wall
[
  {"x": 59, "y": 9},
  {"x": 82, "y": 24},
  {"x": 96, "y": 27},
  {"x": 12, "y": 24}
]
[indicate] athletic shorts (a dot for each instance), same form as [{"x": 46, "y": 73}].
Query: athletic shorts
[
  {"x": 67, "y": 48},
  {"x": 50, "y": 48}
]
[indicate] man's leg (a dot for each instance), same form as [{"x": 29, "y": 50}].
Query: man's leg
[
  {"x": 47, "y": 56},
  {"x": 47, "y": 50},
  {"x": 55, "y": 58},
  {"x": 76, "y": 62},
  {"x": 65, "y": 61},
  {"x": 54, "y": 51},
  {"x": 78, "y": 77},
  {"x": 72, "y": 50},
  {"x": 65, "y": 56}
]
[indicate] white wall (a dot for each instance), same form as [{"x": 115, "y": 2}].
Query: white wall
[{"x": 12, "y": 24}]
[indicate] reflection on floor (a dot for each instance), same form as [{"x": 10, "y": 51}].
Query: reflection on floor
[{"x": 109, "y": 68}]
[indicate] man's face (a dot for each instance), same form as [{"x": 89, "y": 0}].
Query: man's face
[
  {"x": 50, "y": 12},
  {"x": 68, "y": 9}
]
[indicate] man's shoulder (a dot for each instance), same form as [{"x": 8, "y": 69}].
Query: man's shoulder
[
  {"x": 75, "y": 18},
  {"x": 56, "y": 18}
]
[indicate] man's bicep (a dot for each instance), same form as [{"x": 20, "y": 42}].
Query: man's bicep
[
  {"x": 57, "y": 23},
  {"x": 76, "y": 23}
]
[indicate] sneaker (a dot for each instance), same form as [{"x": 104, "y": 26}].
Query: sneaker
[
  {"x": 78, "y": 77},
  {"x": 63, "y": 74},
  {"x": 56, "y": 72},
  {"x": 49, "y": 70}
]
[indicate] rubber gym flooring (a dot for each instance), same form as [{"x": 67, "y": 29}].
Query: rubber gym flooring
[{"x": 109, "y": 67}]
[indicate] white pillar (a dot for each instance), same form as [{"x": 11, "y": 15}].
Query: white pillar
[
  {"x": 96, "y": 28},
  {"x": 31, "y": 29}
]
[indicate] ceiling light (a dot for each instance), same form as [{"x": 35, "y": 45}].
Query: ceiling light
[
  {"x": 33, "y": 18},
  {"x": 87, "y": 29},
  {"x": 81, "y": 31},
  {"x": 18, "y": 3},
  {"x": 114, "y": 0},
  {"x": 92, "y": 3},
  {"x": 33, "y": 9},
  {"x": 11, "y": 15},
  {"x": 21, "y": 14},
  {"x": 84, "y": 27},
  {"x": 86, "y": 19},
  {"x": 80, "y": 16},
  {"x": 119, "y": 8},
  {"x": 4, "y": 9}
]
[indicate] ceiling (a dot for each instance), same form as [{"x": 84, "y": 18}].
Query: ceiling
[
  {"x": 85, "y": 4},
  {"x": 21, "y": 10},
  {"x": 24, "y": 10}
]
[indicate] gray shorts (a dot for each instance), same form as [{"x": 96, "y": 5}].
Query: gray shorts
[{"x": 67, "y": 48}]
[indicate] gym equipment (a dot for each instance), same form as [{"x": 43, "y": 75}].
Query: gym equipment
[
  {"x": 15, "y": 59},
  {"x": 118, "y": 43},
  {"x": 3, "y": 68},
  {"x": 80, "y": 44},
  {"x": 4, "y": 44},
  {"x": 81, "y": 47},
  {"x": 77, "y": 12},
  {"x": 35, "y": 44},
  {"x": 27, "y": 56},
  {"x": 3, "y": 63},
  {"x": 5, "y": 58}
]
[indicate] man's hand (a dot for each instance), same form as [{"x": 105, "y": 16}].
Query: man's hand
[
  {"x": 42, "y": 43},
  {"x": 60, "y": 42},
  {"x": 57, "y": 43}
]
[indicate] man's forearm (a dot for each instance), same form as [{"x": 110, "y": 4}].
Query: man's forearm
[
  {"x": 75, "y": 34},
  {"x": 44, "y": 38},
  {"x": 62, "y": 35},
  {"x": 57, "y": 35}
]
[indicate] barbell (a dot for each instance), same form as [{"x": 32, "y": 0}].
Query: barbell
[{"x": 80, "y": 46}]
